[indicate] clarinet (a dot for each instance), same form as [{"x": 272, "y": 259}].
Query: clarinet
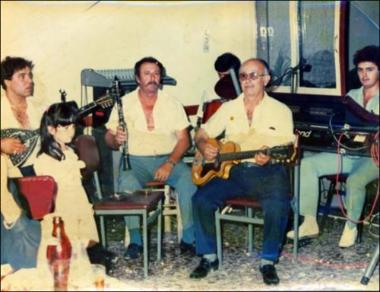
[{"x": 122, "y": 123}]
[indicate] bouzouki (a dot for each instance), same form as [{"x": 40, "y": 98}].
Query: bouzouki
[
  {"x": 30, "y": 137},
  {"x": 229, "y": 155}
]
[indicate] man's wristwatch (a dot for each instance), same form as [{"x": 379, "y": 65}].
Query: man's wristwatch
[{"x": 171, "y": 162}]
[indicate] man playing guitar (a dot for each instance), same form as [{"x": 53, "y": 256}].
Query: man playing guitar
[{"x": 252, "y": 111}]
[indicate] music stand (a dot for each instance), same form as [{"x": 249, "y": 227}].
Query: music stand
[{"x": 371, "y": 266}]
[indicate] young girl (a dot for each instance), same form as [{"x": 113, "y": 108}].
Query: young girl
[{"x": 57, "y": 159}]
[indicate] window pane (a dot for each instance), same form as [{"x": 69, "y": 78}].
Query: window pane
[
  {"x": 273, "y": 36},
  {"x": 317, "y": 43}
]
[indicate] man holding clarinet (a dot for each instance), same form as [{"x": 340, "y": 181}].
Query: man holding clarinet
[{"x": 157, "y": 137}]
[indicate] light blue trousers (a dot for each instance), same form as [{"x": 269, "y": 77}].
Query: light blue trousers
[
  {"x": 19, "y": 245},
  {"x": 361, "y": 170},
  {"x": 142, "y": 169}
]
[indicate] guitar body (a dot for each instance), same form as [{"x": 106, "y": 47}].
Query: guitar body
[
  {"x": 203, "y": 171},
  {"x": 229, "y": 155}
]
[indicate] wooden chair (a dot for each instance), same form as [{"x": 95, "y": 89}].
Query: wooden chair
[
  {"x": 249, "y": 216},
  {"x": 170, "y": 206},
  {"x": 336, "y": 187},
  {"x": 39, "y": 193},
  {"x": 250, "y": 207},
  {"x": 144, "y": 203},
  {"x": 87, "y": 151}
]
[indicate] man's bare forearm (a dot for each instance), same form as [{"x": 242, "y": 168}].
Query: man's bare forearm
[
  {"x": 181, "y": 147},
  {"x": 111, "y": 142},
  {"x": 179, "y": 150}
]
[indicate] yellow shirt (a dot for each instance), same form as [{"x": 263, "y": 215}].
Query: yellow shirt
[
  {"x": 169, "y": 116},
  {"x": 8, "y": 120},
  {"x": 272, "y": 124}
]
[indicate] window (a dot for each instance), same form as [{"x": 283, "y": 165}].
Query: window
[{"x": 303, "y": 52}]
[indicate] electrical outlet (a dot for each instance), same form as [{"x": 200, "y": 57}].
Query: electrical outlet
[{"x": 206, "y": 42}]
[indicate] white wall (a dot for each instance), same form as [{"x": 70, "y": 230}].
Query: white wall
[{"x": 62, "y": 38}]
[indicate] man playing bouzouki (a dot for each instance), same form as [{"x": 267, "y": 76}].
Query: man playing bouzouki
[
  {"x": 254, "y": 177},
  {"x": 20, "y": 236}
]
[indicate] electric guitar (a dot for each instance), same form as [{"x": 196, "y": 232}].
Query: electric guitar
[
  {"x": 30, "y": 138},
  {"x": 229, "y": 155}
]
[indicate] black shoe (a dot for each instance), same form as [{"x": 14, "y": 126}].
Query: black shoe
[
  {"x": 133, "y": 251},
  {"x": 111, "y": 262},
  {"x": 269, "y": 275},
  {"x": 98, "y": 254},
  {"x": 186, "y": 248},
  {"x": 203, "y": 268}
]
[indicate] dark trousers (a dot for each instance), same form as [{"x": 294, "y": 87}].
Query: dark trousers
[{"x": 269, "y": 184}]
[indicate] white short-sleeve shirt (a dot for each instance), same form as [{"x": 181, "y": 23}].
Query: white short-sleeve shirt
[
  {"x": 272, "y": 123},
  {"x": 169, "y": 117},
  {"x": 373, "y": 103}
]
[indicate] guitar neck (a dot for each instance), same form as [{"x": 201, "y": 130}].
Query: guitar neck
[{"x": 241, "y": 155}]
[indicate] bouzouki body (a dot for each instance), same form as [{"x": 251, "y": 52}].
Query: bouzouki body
[{"x": 30, "y": 138}]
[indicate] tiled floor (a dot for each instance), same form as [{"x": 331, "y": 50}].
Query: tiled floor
[{"x": 321, "y": 265}]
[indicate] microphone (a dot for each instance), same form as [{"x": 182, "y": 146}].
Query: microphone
[{"x": 302, "y": 66}]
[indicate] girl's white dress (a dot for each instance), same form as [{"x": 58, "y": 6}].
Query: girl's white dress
[{"x": 71, "y": 202}]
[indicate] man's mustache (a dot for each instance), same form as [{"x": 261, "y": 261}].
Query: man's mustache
[{"x": 153, "y": 82}]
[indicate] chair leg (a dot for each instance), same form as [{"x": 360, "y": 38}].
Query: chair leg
[
  {"x": 360, "y": 226},
  {"x": 179, "y": 220},
  {"x": 145, "y": 243},
  {"x": 218, "y": 237},
  {"x": 102, "y": 231},
  {"x": 326, "y": 212},
  {"x": 159, "y": 231},
  {"x": 250, "y": 230},
  {"x": 167, "y": 221},
  {"x": 99, "y": 194}
]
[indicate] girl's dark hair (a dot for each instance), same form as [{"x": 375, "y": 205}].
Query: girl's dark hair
[{"x": 63, "y": 114}]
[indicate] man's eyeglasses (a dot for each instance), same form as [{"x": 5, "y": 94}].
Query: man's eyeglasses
[{"x": 252, "y": 76}]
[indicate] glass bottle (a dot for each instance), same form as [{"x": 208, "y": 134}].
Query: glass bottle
[{"x": 58, "y": 254}]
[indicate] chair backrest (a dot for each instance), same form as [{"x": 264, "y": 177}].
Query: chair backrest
[
  {"x": 88, "y": 152},
  {"x": 40, "y": 193}
]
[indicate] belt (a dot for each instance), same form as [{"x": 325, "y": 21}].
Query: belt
[
  {"x": 150, "y": 156},
  {"x": 248, "y": 164}
]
